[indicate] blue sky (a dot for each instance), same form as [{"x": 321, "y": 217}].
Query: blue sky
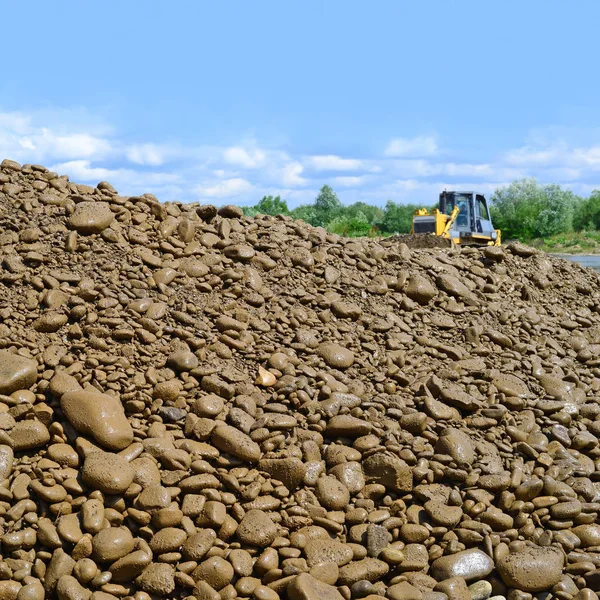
[{"x": 227, "y": 101}]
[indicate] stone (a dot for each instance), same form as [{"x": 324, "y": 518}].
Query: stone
[
  {"x": 6, "y": 462},
  {"x": 370, "y": 569},
  {"x": 29, "y": 434},
  {"x": 532, "y": 568},
  {"x": 335, "y": 356},
  {"x": 158, "y": 579},
  {"x": 256, "y": 529},
  {"x": 290, "y": 471},
  {"x": 388, "y": 470},
  {"x": 16, "y": 372},
  {"x": 98, "y": 416},
  {"x": 107, "y": 472},
  {"x": 321, "y": 551},
  {"x": 91, "y": 217},
  {"x": 235, "y": 442},
  {"x": 112, "y": 543},
  {"x": 420, "y": 289},
  {"x": 469, "y": 564},
  {"x": 305, "y": 587}
]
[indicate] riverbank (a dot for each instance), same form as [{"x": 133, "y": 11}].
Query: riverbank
[{"x": 569, "y": 243}]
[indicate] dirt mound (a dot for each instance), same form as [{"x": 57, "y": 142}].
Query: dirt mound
[
  {"x": 196, "y": 404},
  {"x": 421, "y": 241}
]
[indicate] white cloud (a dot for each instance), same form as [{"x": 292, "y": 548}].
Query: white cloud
[
  {"x": 146, "y": 154},
  {"x": 417, "y": 146},
  {"x": 350, "y": 181},
  {"x": 331, "y": 162},
  {"x": 228, "y": 188},
  {"x": 413, "y": 169},
  {"x": 82, "y": 171},
  {"x": 290, "y": 175},
  {"x": 248, "y": 159}
]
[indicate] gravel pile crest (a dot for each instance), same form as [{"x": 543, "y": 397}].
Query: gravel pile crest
[{"x": 195, "y": 404}]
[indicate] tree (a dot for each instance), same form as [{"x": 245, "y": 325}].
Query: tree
[
  {"x": 269, "y": 205},
  {"x": 527, "y": 210},
  {"x": 305, "y": 212},
  {"x": 349, "y": 225},
  {"x": 396, "y": 218},
  {"x": 327, "y": 206},
  {"x": 587, "y": 213}
]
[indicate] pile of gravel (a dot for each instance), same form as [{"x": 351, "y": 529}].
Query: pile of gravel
[{"x": 196, "y": 404}]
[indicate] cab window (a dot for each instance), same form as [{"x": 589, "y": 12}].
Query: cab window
[{"x": 481, "y": 205}]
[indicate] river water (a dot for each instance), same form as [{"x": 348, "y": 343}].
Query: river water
[{"x": 587, "y": 260}]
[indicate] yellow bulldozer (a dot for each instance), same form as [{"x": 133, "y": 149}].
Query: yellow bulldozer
[{"x": 460, "y": 218}]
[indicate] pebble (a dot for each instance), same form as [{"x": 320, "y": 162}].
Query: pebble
[
  {"x": 16, "y": 372},
  {"x": 336, "y": 356},
  {"x": 107, "y": 472},
  {"x": 29, "y": 435},
  {"x": 112, "y": 543},
  {"x": 98, "y": 416},
  {"x": 256, "y": 529},
  {"x": 305, "y": 587},
  {"x": 157, "y": 578},
  {"x": 532, "y": 568},
  {"x": 469, "y": 564},
  {"x": 91, "y": 217}
]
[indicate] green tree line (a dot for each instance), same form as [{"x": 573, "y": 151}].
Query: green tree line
[{"x": 524, "y": 210}]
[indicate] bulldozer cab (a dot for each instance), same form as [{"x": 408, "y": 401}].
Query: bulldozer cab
[{"x": 473, "y": 219}]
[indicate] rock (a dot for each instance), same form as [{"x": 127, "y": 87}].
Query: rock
[
  {"x": 235, "y": 442},
  {"x": 305, "y": 587},
  {"x": 157, "y": 578},
  {"x": 6, "y": 462},
  {"x": 327, "y": 551},
  {"x": 16, "y": 372},
  {"x": 469, "y": 564},
  {"x": 29, "y": 434},
  {"x": 230, "y": 211},
  {"x": 455, "y": 588},
  {"x": 99, "y": 416},
  {"x": 332, "y": 494},
  {"x": 404, "y": 591},
  {"x": 68, "y": 588},
  {"x": 377, "y": 539},
  {"x": 215, "y": 571},
  {"x": 112, "y": 543},
  {"x": 480, "y": 590},
  {"x": 256, "y": 529},
  {"x": 107, "y": 472},
  {"x": 456, "y": 444},
  {"x": 532, "y": 569},
  {"x": 371, "y": 569},
  {"x": 588, "y": 534},
  {"x": 290, "y": 471},
  {"x": 335, "y": 356},
  {"x": 388, "y": 470},
  {"x": 182, "y": 361},
  {"x": 420, "y": 289},
  {"x": 91, "y": 217}
]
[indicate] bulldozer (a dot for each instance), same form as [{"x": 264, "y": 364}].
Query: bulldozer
[{"x": 460, "y": 218}]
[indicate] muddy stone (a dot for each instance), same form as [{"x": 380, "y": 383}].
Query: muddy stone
[
  {"x": 16, "y": 372},
  {"x": 99, "y": 416},
  {"x": 532, "y": 569},
  {"x": 107, "y": 472},
  {"x": 91, "y": 217},
  {"x": 256, "y": 529}
]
